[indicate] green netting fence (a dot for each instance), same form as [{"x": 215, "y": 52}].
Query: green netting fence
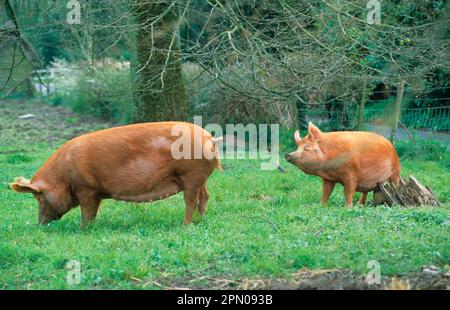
[{"x": 432, "y": 119}]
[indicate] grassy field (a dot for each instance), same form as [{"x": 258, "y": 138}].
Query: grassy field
[{"x": 259, "y": 224}]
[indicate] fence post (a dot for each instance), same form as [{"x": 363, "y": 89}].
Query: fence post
[
  {"x": 362, "y": 105},
  {"x": 398, "y": 104}
]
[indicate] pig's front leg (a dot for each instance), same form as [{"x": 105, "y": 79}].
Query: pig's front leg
[
  {"x": 327, "y": 189},
  {"x": 349, "y": 191},
  {"x": 89, "y": 204}
]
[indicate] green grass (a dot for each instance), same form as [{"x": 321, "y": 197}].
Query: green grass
[{"x": 258, "y": 224}]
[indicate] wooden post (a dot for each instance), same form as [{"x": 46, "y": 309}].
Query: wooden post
[
  {"x": 362, "y": 105},
  {"x": 398, "y": 105}
]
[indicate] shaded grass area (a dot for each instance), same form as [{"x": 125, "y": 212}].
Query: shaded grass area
[{"x": 259, "y": 224}]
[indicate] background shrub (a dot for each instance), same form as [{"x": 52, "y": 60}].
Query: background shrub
[{"x": 105, "y": 93}]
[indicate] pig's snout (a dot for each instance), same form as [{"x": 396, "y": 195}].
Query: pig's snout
[
  {"x": 45, "y": 217},
  {"x": 288, "y": 157},
  {"x": 43, "y": 220}
]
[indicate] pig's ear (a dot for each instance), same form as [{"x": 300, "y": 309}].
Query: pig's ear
[
  {"x": 314, "y": 132},
  {"x": 22, "y": 185},
  {"x": 297, "y": 137}
]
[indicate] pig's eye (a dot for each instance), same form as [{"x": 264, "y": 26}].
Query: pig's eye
[{"x": 307, "y": 148}]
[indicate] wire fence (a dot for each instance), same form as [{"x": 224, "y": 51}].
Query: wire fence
[
  {"x": 428, "y": 118},
  {"x": 433, "y": 118}
]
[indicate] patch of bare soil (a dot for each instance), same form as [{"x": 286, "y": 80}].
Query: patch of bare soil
[
  {"x": 315, "y": 280},
  {"x": 29, "y": 121}
]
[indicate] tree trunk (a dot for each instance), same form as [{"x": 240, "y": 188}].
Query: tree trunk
[
  {"x": 398, "y": 105},
  {"x": 362, "y": 105},
  {"x": 159, "y": 92}
]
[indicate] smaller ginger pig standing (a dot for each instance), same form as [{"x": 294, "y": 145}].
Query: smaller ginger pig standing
[{"x": 357, "y": 160}]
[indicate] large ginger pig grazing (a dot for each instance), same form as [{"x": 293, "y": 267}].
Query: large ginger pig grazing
[
  {"x": 357, "y": 160},
  {"x": 130, "y": 163}
]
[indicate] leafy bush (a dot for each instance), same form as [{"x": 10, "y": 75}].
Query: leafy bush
[{"x": 104, "y": 91}]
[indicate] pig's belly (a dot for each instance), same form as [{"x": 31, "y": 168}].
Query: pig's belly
[
  {"x": 158, "y": 192},
  {"x": 373, "y": 174}
]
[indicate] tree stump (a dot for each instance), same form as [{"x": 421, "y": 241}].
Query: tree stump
[{"x": 409, "y": 193}]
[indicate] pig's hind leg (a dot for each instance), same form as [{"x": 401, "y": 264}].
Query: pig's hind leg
[
  {"x": 395, "y": 178},
  {"x": 203, "y": 200},
  {"x": 195, "y": 194},
  {"x": 89, "y": 204},
  {"x": 191, "y": 198},
  {"x": 363, "y": 199}
]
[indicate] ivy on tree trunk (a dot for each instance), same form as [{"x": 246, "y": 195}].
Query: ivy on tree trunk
[{"x": 159, "y": 92}]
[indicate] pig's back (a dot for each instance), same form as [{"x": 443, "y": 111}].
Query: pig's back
[
  {"x": 116, "y": 146},
  {"x": 364, "y": 145},
  {"x": 359, "y": 141},
  {"x": 122, "y": 158}
]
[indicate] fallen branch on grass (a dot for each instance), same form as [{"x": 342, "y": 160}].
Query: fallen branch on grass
[{"x": 265, "y": 218}]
